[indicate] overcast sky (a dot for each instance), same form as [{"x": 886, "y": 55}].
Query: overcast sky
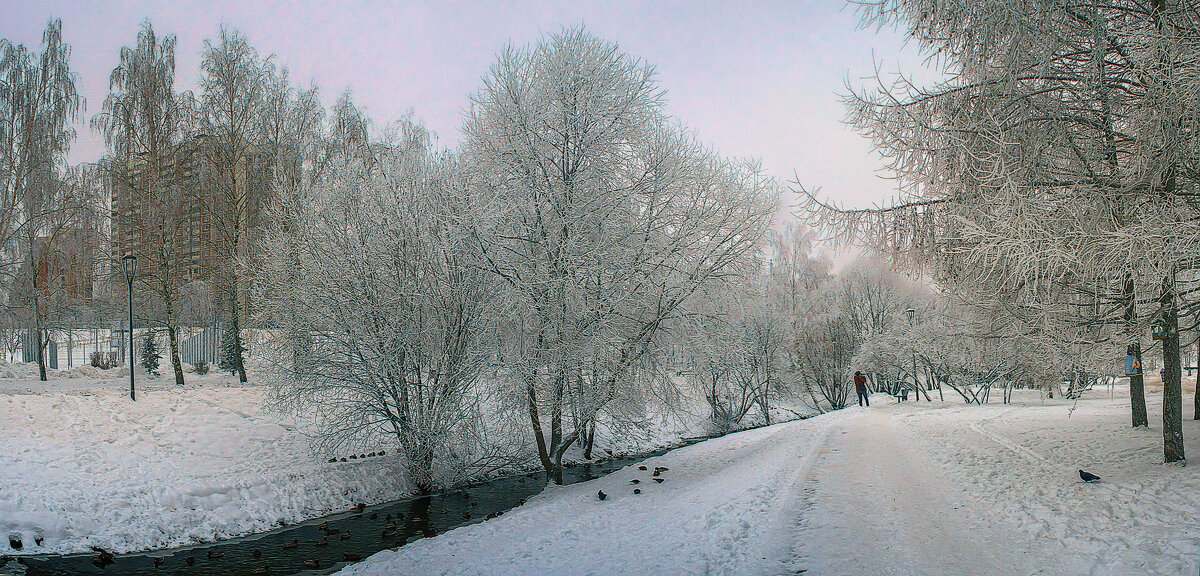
[{"x": 753, "y": 79}]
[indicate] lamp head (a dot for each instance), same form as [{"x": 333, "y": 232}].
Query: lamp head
[{"x": 129, "y": 266}]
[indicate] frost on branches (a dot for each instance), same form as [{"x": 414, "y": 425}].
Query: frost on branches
[
  {"x": 1052, "y": 171},
  {"x": 378, "y": 305},
  {"x": 600, "y": 218}
]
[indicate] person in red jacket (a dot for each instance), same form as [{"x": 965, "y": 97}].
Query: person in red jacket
[{"x": 860, "y": 386}]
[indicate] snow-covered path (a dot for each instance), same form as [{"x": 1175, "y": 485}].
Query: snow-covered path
[
  {"x": 726, "y": 506},
  {"x": 877, "y": 504},
  {"x": 931, "y": 488},
  {"x": 846, "y": 493}
]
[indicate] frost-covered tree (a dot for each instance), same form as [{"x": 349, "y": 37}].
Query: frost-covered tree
[
  {"x": 378, "y": 303},
  {"x": 825, "y": 345},
  {"x": 236, "y": 114},
  {"x": 873, "y": 297},
  {"x": 1054, "y": 157},
  {"x": 142, "y": 121},
  {"x": 736, "y": 343},
  {"x": 38, "y": 105},
  {"x": 711, "y": 361},
  {"x": 600, "y": 218}
]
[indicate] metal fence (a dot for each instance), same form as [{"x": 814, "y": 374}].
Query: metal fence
[{"x": 70, "y": 348}]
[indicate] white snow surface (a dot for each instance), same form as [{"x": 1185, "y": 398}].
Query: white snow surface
[
  {"x": 916, "y": 488},
  {"x": 85, "y": 466}
]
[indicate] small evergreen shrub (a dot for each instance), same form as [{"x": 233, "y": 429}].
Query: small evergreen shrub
[{"x": 150, "y": 355}]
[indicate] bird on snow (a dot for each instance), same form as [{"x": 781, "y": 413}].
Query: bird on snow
[
  {"x": 659, "y": 480},
  {"x": 634, "y": 481},
  {"x": 637, "y": 490},
  {"x": 601, "y": 495},
  {"x": 1088, "y": 476}
]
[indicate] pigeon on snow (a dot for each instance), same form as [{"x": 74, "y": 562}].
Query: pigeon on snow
[
  {"x": 1088, "y": 476},
  {"x": 601, "y": 495}
]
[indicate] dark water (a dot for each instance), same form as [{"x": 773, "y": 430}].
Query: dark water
[{"x": 327, "y": 543}]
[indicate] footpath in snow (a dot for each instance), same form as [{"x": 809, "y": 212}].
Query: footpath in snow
[{"x": 931, "y": 488}]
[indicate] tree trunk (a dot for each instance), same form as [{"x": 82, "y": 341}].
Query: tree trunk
[
  {"x": 41, "y": 348},
  {"x": 238, "y": 364},
  {"x": 1196, "y": 395},
  {"x": 1172, "y": 389},
  {"x": 557, "y": 475},
  {"x": 557, "y": 446},
  {"x": 536, "y": 422},
  {"x": 37, "y": 314},
  {"x": 1137, "y": 387},
  {"x": 589, "y": 438},
  {"x": 173, "y": 336},
  {"x": 765, "y": 403}
]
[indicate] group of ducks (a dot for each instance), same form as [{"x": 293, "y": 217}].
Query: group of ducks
[
  {"x": 359, "y": 456},
  {"x": 656, "y": 477}
]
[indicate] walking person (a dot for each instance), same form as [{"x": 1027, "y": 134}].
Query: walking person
[{"x": 860, "y": 386}]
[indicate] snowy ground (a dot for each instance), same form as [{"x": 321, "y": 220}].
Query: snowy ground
[
  {"x": 938, "y": 488},
  {"x": 85, "y": 466}
]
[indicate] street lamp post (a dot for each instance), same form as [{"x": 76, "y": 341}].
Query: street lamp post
[{"x": 129, "y": 266}]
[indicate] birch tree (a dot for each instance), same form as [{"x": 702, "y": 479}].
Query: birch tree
[
  {"x": 235, "y": 112},
  {"x": 38, "y": 104},
  {"x": 142, "y": 122}
]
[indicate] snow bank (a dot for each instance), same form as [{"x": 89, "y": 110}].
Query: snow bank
[
  {"x": 1020, "y": 466},
  {"x": 84, "y": 466}
]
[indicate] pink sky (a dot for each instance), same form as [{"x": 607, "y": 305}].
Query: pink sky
[{"x": 754, "y": 79}]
